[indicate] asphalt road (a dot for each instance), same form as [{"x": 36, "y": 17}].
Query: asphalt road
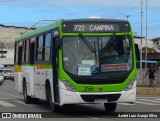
[{"x": 12, "y": 101}]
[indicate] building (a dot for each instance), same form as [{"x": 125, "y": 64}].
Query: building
[
  {"x": 7, "y": 40},
  {"x": 153, "y": 53},
  {"x": 137, "y": 40},
  {"x": 156, "y": 44}
]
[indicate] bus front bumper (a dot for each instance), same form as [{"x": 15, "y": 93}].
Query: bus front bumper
[{"x": 68, "y": 97}]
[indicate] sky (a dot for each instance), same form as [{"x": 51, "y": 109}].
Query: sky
[{"x": 28, "y": 12}]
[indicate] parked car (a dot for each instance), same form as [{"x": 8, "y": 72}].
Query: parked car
[
  {"x": 1, "y": 79},
  {"x": 1, "y": 71},
  {"x": 8, "y": 74}
]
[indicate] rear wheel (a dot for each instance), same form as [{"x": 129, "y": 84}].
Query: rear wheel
[{"x": 110, "y": 107}]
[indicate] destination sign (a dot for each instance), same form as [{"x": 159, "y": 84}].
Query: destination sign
[
  {"x": 95, "y": 27},
  {"x": 114, "y": 67}
]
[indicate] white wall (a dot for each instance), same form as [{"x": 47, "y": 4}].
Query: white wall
[
  {"x": 149, "y": 42},
  {"x": 7, "y": 37}
]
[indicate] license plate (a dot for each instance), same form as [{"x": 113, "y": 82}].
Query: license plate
[{"x": 100, "y": 101}]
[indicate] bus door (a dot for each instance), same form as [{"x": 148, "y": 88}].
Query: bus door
[
  {"x": 55, "y": 70},
  {"x": 33, "y": 89}
]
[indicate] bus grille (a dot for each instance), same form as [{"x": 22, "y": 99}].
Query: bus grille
[
  {"x": 98, "y": 80},
  {"x": 108, "y": 97}
]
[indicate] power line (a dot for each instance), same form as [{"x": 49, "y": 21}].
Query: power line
[{"x": 126, "y": 11}]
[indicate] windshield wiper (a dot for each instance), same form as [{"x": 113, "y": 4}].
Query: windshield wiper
[
  {"x": 110, "y": 41},
  {"x": 87, "y": 43}
]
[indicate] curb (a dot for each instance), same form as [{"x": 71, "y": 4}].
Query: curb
[
  {"x": 156, "y": 86},
  {"x": 148, "y": 92}
]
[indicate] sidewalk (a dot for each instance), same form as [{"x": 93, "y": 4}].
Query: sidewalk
[{"x": 148, "y": 90}]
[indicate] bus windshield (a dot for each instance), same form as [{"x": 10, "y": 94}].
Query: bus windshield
[{"x": 109, "y": 55}]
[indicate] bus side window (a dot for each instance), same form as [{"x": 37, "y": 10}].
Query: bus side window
[
  {"x": 16, "y": 54},
  {"x": 20, "y": 48},
  {"x": 32, "y": 50},
  {"x": 26, "y": 51},
  {"x": 40, "y": 49},
  {"x": 47, "y": 47}
]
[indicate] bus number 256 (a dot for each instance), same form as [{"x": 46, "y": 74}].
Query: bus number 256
[{"x": 88, "y": 88}]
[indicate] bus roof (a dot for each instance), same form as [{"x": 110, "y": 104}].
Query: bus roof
[
  {"x": 39, "y": 30},
  {"x": 96, "y": 20},
  {"x": 57, "y": 24}
]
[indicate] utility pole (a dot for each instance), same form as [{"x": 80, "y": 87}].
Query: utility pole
[
  {"x": 141, "y": 74},
  {"x": 146, "y": 33}
]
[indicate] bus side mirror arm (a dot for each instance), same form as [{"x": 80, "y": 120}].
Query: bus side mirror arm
[
  {"x": 58, "y": 43},
  {"x": 137, "y": 52}
]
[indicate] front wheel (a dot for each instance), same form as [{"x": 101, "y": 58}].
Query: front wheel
[
  {"x": 110, "y": 107},
  {"x": 54, "y": 108}
]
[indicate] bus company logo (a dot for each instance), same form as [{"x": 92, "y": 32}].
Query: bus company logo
[
  {"x": 6, "y": 115},
  {"x": 100, "y": 88}
]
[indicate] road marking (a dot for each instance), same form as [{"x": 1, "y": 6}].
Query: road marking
[
  {"x": 126, "y": 104},
  {"x": 157, "y": 99},
  {"x": 156, "y": 110},
  {"x": 154, "y": 101},
  {"x": 11, "y": 95},
  {"x": 92, "y": 117},
  {"x": 23, "y": 103},
  {"x": 146, "y": 103},
  {"x": 6, "y": 104},
  {"x": 8, "y": 98}
]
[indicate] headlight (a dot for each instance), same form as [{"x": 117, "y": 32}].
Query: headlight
[
  {"x": 1, "y": 78},
  {"x": 130, "y": 85},
  {"x": 68, "y": 86}
]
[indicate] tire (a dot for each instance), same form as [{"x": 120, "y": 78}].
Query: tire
[
  {"x": 54, "y": 108},
  {"x": 110, "y": 107},
  {"x": 27, "y": 99}
]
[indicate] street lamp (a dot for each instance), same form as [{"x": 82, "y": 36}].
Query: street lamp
[{"x": 128, "y": 17}]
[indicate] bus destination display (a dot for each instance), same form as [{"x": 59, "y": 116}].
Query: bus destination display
[{"x": 95, "y": 27}]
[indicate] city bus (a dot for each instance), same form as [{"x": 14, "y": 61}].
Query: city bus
[{"x": 65, "y": 63}]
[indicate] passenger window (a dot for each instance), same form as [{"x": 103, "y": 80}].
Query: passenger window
[
  {"x": 47, "y": 47},
  {"x": 40, "y": 44}
]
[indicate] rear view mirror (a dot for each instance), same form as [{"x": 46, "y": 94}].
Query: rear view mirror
[{"x": 137, "y": 52}]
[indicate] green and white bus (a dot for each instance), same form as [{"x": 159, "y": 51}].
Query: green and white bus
[{"x": 66, "y": 63}]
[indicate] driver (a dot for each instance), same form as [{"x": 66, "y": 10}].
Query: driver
[{"x": 110, "y": 51}]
